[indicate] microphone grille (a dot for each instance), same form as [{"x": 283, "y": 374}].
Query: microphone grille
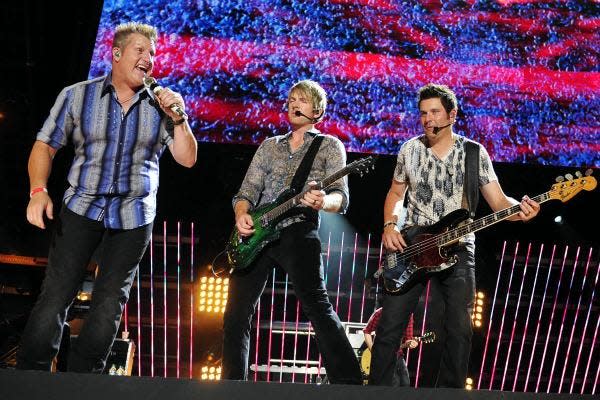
[{"x": 149, "y": 81}]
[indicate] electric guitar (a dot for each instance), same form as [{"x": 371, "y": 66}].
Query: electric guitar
[
  {"x": 241, "y": 251},
  {"x": 428, "y": 249},
  {"x": 365, "y": 357}
]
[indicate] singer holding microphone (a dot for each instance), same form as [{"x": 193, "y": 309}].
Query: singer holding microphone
[
  {"x": 431, "y": 171},
  {"x": 119, "y": 131},
  {"x": 290, "y": 161}
]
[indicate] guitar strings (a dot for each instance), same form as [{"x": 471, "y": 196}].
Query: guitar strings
[{"x": 436, "y": 241}]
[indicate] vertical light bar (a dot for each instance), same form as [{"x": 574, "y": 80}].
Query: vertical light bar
[
  {"x": 337, "y": 296},
  {"x": 307, "y": 353},
  {"x": 257, "y": 340},
  {"x": 271, "y": 327},
  {"x": 422, "y": 331},
  {"x": 549, "y": 331},
  {"x": 562, "y": 375},
  {"x": 178, "y": 299},
  {"x": 487, "y": 336},
  {"x": 503, "y": 316},
  {"x": 191, "y": 368},
  {"x": 590, "y": 359},
  {"x": 352, "y": 277},
  {"x": 562, "y": 322},
  {"x": 296, "y": 340},
  {"x": 327, "y": 257},
  {"x": 514, "y": 325},
  {"x": 524, "y": 334},
  {"x": 151, "y": 317},
  {"x": 364, "y": 291},
  {"x": 587, "y": 318},
  {"x": 165, "y": 299},
  {"x": 285, "y": 295},
  {"x": 139, "y": 314},
  {"x": 539, "y": 319}
]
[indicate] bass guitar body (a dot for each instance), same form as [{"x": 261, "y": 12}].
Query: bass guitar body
[{"x": 423, "y": 254}]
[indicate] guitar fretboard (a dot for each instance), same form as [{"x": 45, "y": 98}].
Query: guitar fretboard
[
  {"x": 294, "y": 201},
  {"x": 457, "y": 233}
]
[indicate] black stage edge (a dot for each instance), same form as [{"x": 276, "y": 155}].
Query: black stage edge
[{"x": 33, "y": 385}]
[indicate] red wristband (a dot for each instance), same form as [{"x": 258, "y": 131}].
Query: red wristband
[{"x": 37, "y": 190}]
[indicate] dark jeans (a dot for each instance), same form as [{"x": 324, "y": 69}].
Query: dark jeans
[
  {"x": 298, "y": 252},
  {"x": 74, "y": 241},
  {"x": 400, "y": 377},
  {"x": 457, "y": 288}
]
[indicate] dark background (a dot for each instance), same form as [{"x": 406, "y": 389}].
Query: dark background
[{"x": 47, "y": 46}]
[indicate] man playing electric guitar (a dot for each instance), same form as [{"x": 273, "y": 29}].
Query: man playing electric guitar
[
  {"x": 431, "y": 170},
  {"x": 277, "y": 166}
]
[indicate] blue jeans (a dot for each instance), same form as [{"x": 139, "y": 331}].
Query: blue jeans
[
  {"x": 298, "y": 252},
  {"x": 74, "y": 241},
  {"x": 457, "y": 288}
]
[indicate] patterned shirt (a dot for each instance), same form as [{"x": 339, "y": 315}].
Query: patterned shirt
[
  {"x": 274, "y": 165},
  {"x": 114, "y": 175},
  {"x": 435, "y": 186}
]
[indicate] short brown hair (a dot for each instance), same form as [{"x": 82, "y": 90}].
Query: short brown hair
[
  {"x": 123, "y": 31},
  {"x": 442, "y": 92}
]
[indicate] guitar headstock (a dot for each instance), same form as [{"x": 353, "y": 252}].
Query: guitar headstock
[
  {"x": 565, "y": 190},
  {"x": 361, "y": 166},
  {"x": 428, "y": 337}
]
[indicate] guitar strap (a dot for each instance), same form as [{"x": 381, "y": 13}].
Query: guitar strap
[
  {"x": 301, "y": 175},
  {"x": 471, "y": 189}
]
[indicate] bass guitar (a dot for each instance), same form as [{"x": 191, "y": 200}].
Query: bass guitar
[
  {"x": 241, "y": 251},
  {"x": 430, "y": 247}
]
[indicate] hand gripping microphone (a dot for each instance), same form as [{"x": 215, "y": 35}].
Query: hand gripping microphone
[{"x": 150, "y": 84}]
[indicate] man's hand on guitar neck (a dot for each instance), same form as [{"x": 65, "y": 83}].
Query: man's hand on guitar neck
[
  {"x": 314, "y": 198},
  {"x": 243, "y": 220}
]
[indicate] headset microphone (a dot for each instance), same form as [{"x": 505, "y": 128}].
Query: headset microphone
[{"x": 437, "y": 129}]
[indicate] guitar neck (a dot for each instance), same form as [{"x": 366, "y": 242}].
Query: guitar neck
[
  {"x": 294, "y": 201},
  {"x": 482, "y": 223}
]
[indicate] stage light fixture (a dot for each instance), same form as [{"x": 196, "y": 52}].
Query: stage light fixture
[{"x": 213, "y": 294}]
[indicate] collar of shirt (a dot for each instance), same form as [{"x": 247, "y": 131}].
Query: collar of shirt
[{"x": 108, "y": 87}]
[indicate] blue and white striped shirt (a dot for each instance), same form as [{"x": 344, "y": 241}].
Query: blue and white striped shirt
[{"x": 114, "y": 175}]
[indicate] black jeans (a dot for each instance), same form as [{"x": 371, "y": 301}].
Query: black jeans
[
  {"x": 298, "y": 252},
  {"x": 74, "y": 241},
  {"x": 457, "y": 288}
]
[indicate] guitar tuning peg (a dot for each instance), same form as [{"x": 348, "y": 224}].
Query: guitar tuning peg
[
  {"x": 588, "y": 172},
  {"x": 578, "y": 174},
  {"x": 560, "y": 179},
  {"x": 569, "y": 177}
]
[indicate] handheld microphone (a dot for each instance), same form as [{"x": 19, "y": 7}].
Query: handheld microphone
[
  {"x": 299, "y": 114},
  {"x": 150, "y": 84},
  {"x": 437, "y": 129}
]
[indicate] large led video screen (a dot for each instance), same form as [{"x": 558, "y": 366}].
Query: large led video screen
[{"x": 525, "y": 71}]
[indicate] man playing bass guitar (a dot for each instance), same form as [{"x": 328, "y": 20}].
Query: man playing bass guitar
[
  {"x": 431, "y": 170},
  {"x": 277, "y": 166}
]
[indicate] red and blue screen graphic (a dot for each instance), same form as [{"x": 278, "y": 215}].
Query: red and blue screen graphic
[{"x": 525, "y": 72}]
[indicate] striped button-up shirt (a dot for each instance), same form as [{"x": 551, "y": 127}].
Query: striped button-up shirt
[{"x": 114, "y": 175}]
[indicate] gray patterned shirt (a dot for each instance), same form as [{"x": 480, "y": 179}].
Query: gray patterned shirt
[
  {"x": 274, "y": 165},
  {"x": 435, "y": 187}
]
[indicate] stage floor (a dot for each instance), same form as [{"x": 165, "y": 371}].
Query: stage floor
[{"x": 32, "y": 385}]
